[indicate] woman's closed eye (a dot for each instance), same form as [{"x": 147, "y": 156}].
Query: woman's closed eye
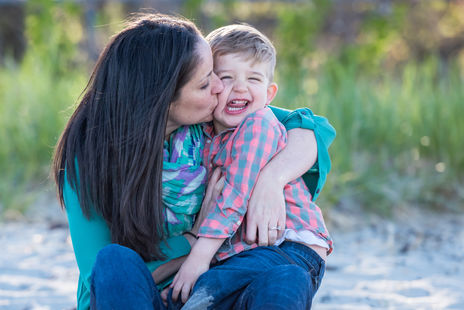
[{"x": 205, "y": 86}]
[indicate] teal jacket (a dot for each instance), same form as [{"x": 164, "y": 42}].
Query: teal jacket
[{"x": 89, "y": 236}]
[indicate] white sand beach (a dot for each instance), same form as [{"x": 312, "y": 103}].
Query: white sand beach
[{"x": 415, "y": 262}]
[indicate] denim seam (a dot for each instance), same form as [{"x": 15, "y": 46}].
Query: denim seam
[
  {"x": 312, "y": 259},
  {"x": 279, "y": 250}
]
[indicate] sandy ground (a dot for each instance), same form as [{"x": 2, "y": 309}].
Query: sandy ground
[{"x": 413, "y": 263}]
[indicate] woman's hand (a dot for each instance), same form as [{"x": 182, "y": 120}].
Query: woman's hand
[
  {"x": 215, "y": 186},
  {"x": 266, "y": 207},
  {"x": 266, "y": 210}
]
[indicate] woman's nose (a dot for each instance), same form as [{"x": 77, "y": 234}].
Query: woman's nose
[{"x": 218, "y": 86}]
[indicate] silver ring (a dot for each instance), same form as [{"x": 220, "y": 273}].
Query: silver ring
[{"x": 275, "y": 228}]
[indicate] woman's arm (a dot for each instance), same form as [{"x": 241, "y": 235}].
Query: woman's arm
[
  {"x": 266, "y": 207},
  {"x": 295, "y": 159},
  {"x": 89, "y": 236},
  {"x": 309, "y": 137},
  {"x": 168, "y": 269}
]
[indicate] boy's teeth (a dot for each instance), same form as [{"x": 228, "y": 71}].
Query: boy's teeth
[
  {"x": 236, "y": 109},
  {"x": 239, "y": 101}
]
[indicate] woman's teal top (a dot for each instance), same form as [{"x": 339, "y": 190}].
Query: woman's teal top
[{"x": 90, "y": 235}]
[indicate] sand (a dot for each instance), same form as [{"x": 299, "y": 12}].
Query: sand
[{"x": 415, "y": 261}]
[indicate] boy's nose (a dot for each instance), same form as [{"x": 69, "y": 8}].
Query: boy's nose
[{"x": 240, "y": 86}]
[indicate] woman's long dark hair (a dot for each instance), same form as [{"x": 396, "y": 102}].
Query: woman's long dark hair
[{"x": 112, "y": 146}]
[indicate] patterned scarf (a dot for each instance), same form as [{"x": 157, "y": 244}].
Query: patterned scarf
[{"x": 184, "y": 178}]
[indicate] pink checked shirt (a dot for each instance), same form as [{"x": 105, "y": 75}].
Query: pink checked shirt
[{"x": 241, "y": 153}]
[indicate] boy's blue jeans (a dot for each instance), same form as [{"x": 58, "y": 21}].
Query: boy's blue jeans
[{"x": 284, "y": 277}]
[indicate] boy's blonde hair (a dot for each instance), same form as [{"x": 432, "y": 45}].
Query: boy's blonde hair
[{"x": 243, "y": 39}]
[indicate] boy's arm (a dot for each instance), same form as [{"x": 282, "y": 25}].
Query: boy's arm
[
  {"x": 305, "y": 149},
  {"x": 194, "y": 266},
  {"x": 256, "y": 142}
]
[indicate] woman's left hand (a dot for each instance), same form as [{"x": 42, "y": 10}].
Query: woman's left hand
[
  {"x": 266, "y": 207},
  {"x": 266, "y": 211}
]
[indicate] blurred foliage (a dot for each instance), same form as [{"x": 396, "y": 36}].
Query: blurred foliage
[
  {"x": 297, "y": 47},
  {"x": 33, "y": 96},
  {"x": 399, "y": 135},
  {"x": 387, "y": 74},
  {"x": 53, "y": 32}
]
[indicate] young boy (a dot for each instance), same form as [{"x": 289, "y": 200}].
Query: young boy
[{"x": 243, "y": 137}]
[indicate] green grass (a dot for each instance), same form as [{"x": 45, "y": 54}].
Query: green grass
[
  {"x": 399, "y": 138},
  {"x": 399, "y": 135},
  {"x": 34, "y": 108}
]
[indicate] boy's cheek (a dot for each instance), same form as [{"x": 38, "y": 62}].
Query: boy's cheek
[{"x": 222, "y": 100}]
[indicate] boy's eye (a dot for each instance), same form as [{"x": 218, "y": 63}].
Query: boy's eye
[
  {"x": 225, "y": 77},
  {"x": 255, "y": 79}
]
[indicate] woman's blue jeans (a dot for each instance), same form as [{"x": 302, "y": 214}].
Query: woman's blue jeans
[
  {"x": 284, "y": 277},
  {"x": 121, "y": 280}
]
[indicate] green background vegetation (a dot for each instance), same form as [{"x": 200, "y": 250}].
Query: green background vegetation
[{"x": 389, "y": 79}]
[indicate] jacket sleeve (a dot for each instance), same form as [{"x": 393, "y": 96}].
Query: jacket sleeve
[{"x": 325, "y": 134}]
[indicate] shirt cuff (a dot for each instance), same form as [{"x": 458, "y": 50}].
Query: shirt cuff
[{"x": 300, "y": 118}]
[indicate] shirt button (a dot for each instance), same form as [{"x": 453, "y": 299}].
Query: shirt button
[
  {"x": 304, "y": 112},
  {"x": 208, "y": 140},
  {"x": 317, "y": 191}
]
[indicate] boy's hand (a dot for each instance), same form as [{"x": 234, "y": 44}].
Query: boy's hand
[
  {"x": 186, "y": 278},
  {"x": 164, "y": 295}
]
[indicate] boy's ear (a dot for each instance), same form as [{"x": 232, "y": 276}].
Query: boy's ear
[{"x": 271, "y": 92}]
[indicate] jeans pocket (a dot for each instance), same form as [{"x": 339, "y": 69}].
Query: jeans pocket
[
  {"x": 285, "y": 255},
  {"x": 317, "y": 273}
]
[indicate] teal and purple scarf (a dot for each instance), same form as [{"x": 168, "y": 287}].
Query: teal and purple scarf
[{"x": 184, "y": 178}]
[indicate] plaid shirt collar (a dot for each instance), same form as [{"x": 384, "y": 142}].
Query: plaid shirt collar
[{"x": 208, "y": 130}]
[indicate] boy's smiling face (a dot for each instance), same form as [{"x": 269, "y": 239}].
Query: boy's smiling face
[{"x": 246, "y": 89}]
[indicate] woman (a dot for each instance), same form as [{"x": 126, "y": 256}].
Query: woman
[{"x": 122, "y": 182}]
